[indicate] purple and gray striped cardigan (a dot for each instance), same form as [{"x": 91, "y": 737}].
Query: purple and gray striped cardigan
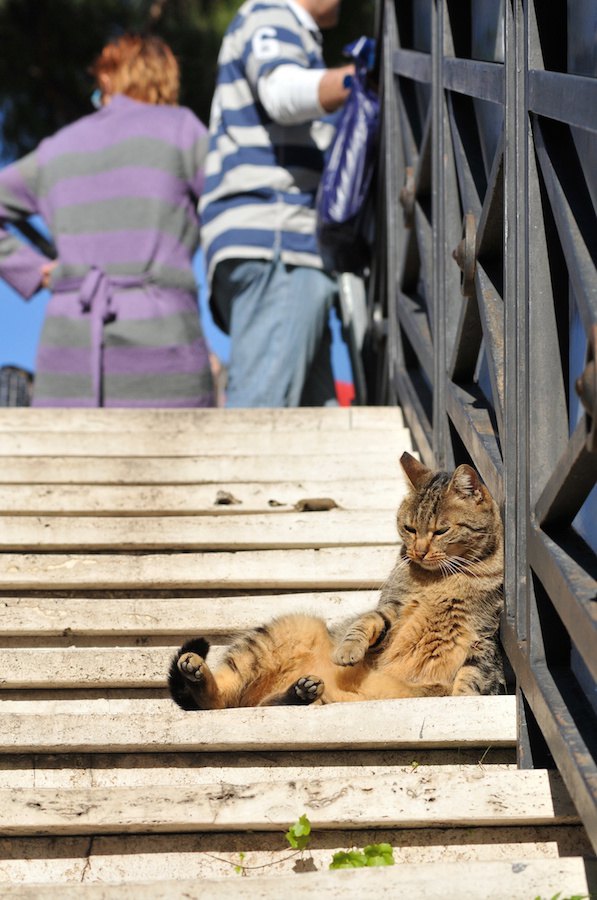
[{"x": 118, "y": 190}]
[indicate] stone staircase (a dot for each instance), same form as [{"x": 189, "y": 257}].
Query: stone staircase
[{"x": 122, "y": 533}]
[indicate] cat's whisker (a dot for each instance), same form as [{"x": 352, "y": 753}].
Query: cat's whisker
[
  {"x": 462, "y": 565},
  {"x": 446, "y": 567},
  {"x": 479, "y": 554},
  {"x": 478, "y": 561},
  {"x": 480, "y": 568},
  {"x": 451, "y": 564},
  {"x": 474, "y": 569},
  {"x": 459, "y": 567}
]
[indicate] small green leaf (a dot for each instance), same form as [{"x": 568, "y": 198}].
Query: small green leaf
[
  {"x": 348, "y": 859},
  {"x": 379, "y": 855},
  {"x": 558, "y": 896},
  {"x": 298, "y": 835}
]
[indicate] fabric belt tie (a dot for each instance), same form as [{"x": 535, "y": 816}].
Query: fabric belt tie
[{"x": 96, "y": 290}]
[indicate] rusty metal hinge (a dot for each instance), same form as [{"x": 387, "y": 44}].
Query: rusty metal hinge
[
  {"x": 465, "y": 255},
  {"x": 407, "y": 197}
]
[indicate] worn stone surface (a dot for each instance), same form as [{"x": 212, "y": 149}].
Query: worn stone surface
[{"x": 516, "y": 878}]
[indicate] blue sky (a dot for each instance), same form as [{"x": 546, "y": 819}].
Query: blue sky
[{"x": 21, "y": 322}]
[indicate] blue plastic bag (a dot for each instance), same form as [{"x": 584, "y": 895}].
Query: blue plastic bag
[{"x": 344, "y": 189}]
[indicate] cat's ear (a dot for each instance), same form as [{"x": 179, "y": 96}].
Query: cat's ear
[
  {"x": 414, "y": 470},
  {"x": 466, "y": 482}
]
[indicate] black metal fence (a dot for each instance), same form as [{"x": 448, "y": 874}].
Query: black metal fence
[{"x": 486, "y": 280}]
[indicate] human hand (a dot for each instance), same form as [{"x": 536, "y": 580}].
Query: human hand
[
  {"x": 334, "y": 87},
  {"x": 46, "y": 272}
]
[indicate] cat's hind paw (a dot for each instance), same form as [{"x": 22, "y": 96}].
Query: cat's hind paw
[
  {"x": 192, "y": 666},
  {"x": 308, "y": 689}
]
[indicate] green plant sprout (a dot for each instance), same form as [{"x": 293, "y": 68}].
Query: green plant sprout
[
  {"x": 299, "y": 837},
  {"x": 299, "y": 834},
  {"x": 371, "y": 855},
  {"x": 558, "y": 896}
]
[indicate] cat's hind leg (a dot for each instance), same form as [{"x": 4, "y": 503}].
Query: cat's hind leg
[
  {"x": 302, "y": 692},
  {"x": 190, "y": 681},
  {"x": 482, "y": 672}
]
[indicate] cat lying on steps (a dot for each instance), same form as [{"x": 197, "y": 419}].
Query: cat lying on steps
[{"x": 434, "y": 631}]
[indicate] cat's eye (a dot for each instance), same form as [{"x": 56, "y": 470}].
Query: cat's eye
[
  {"x": 409, "y": 528},
  {"x": 442, "y": 530}
]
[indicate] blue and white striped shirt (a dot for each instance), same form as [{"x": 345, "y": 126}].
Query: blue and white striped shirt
[{"x": 262, "y": 177}]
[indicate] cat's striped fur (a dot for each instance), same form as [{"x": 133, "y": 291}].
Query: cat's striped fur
[{"x": 434, "y": 631}]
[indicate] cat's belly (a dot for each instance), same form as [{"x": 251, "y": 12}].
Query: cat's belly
[{"x": 433, "y": 656}]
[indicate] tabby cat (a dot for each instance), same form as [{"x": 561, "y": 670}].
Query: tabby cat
[{"x": 433, "y": 633}]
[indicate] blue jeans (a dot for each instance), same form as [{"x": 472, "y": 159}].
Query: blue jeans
[{"x": 280, "y": 342}]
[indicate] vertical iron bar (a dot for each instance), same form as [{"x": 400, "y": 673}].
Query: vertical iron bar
[
  {"x": 546, "y": 396},
  {"x": 393, "y": 166},
  {"x": 515, "y": 449},
  {"x": 440, "y": 435}
]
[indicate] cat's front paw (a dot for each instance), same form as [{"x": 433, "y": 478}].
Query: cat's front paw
[
  {"x": 308, "y": 689},
  {"x": 349, "y": 653},
  {"x": 191, "y": 665}
]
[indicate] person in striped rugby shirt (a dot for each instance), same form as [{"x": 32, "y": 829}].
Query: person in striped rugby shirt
[
  {"x": 267, "y": 142},
  {"x": 118, "y": 190}
]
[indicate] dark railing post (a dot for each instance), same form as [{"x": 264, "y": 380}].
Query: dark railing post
[
  {"x": 390, "y": 166},
  {"x": 516, "y": 334},
  {"x": 438, "y": 279}
]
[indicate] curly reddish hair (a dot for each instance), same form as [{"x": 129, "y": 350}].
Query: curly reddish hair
[{"x": 143, "y": 68}]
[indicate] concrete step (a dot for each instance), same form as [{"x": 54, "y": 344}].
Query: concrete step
[
  {"x": 416, "y": 799},
  {"x": 157, "y": 725},
  {"x": 168, "y": 867},
  {"x": 105, "y": 421},
  {"x": 125, "y": 619},
  {"x": 190, "y": 442},
  {"x": 213, "y": 470},
  {"x": 303, "y": 530},
  {"x": 224, "y": 499},
  {"x": 332, "y": 568}
]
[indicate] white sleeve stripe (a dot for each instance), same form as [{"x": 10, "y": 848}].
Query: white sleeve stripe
[{"x": 290, "y": 94}]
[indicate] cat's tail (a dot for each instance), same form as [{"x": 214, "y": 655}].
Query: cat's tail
[{"x": 177, "y": 683}]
